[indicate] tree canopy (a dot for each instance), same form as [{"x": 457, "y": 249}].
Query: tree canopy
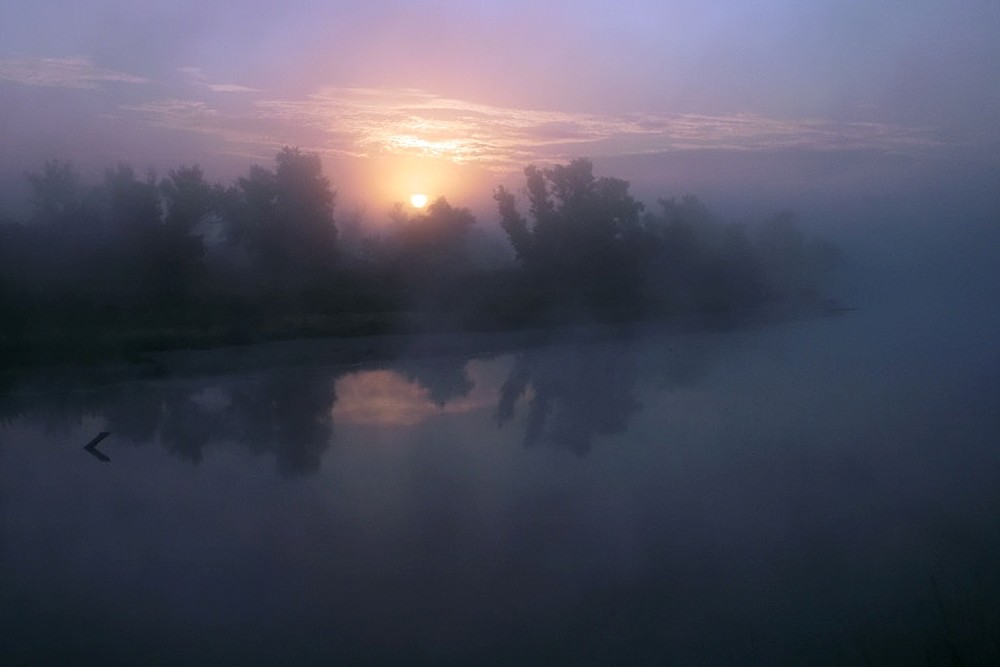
[{"x": 261, "y": 257}]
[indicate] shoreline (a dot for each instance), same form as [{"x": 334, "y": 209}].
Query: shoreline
[{"x": 361, "y": 349}]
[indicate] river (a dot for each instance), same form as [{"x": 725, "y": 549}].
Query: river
[{"x": 821, "y": 491}]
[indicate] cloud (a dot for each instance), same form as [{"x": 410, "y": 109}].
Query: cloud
[
  {"x": 75, "y": 73},
  {"x": 199, "y": 77},
  {"x": 230, "y": 88},
  {"x": 375, "y": 122},
  {"x": 417, "y": 122},
  {"x": 175, "y": 112},
  {"x": 240, "y": 134}
]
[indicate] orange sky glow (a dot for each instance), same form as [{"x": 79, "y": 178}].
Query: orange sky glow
[{"x": 445, "y": 99}]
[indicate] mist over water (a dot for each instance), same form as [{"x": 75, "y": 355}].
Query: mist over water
[
  {"x": 815, "y": 491},
  {"x": 690, "y": 357},
  {"x": 798, "y": 475}
]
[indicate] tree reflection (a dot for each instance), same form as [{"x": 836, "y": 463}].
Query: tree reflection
[
  {"x": 135, "y": 415},
  {"x": 282, "y": 413},
  {"x": 572, "y": 393},
  {"x": 569, "y": 393},
  {"x": 12, "y": 405},
  {"x": 575, "y": 393},
  {"x": 288, "y": 415},
  {"x": 187, "y": 427},
  {"x": 444, "y": 379}
]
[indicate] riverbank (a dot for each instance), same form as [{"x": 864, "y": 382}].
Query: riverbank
[{"x": 355, "y": 341}]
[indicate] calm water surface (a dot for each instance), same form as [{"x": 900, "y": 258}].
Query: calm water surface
[{"x": 818, "y": 492}]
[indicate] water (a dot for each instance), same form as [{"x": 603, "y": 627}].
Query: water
[{"x": 813, "y": 492}]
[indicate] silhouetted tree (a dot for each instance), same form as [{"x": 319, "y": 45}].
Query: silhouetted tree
[
  {"x": 129, "y": 259},
  {"x": 189, "y": 200},
  {"x": 56, "y": 194},
  {"x": 284, "y": 220},
  {"x": 583, "y": 238},
  {"x": 133, "y": 217},
  {"x": 696, "y": 262},
  {"x": 133, "y": 206},
  {"x": 795, "y": 267},
  {"x": 8, "y": 276},
  {"x": 55, "y": 251},
  {"x": 578, "y": 219},
  {"x": 435, "y": 242}
]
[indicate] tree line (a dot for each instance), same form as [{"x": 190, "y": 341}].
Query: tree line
[{"x": 143, "y": 262}]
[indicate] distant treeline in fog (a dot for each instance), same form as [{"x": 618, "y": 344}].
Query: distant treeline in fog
[{"x": 139, "y": 262}]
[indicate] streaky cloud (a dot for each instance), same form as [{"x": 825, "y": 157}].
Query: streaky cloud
[
  {"x": 230, "y": 88},
  {"x": 363, "y": 122},
  {"x": 176, "y": 109},
  {"x": 199, "y": 77},
  {"x": 74, "y": 73},
  {"x": 418, "y": 122}
]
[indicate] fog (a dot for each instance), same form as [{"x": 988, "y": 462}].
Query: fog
[
  {"x": 136, "y": 263},
  {"x": 687, "y": 353},
  {"x": 818, "y": 491}
]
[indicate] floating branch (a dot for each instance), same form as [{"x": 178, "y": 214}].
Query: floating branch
[{"x": 91, "y": 446}]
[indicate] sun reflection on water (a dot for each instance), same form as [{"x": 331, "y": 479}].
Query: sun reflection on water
[{"x": 388, "y": 398}]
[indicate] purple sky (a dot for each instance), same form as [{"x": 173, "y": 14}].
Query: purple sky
[{"x": 452, "y": 97}]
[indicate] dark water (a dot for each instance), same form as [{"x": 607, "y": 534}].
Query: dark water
[{"x": 817, "y": 492}]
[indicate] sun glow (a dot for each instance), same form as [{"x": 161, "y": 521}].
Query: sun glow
[
  {"x": 395, "y": 179},
  {"x": 418, "y": 200}
]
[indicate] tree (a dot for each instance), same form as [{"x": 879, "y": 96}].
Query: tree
[
  {"x": 795, "y": 266},
  {"x": 249, "y": 209},
  {"x": 133, "y": 206},
  {"x": 189, "y": 200},
  {"x": 698, "y": 263},
  {"x": 284, "y": 219},
  {"x": 304, "y": 198},
  {"x": 583, "y": 236},
  {"x": 577, "y": 219},
  {"x": 55, "y": 193},
  {"x": 435, "y": 242}
]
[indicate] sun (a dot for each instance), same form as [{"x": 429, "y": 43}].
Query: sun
[{"x": 418, "y": 200}]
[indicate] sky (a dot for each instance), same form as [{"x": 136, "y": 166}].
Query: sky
[{"x": 767, "y": 99}]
